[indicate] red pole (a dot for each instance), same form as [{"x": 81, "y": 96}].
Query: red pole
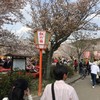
[{"x": 40, "y": 74}]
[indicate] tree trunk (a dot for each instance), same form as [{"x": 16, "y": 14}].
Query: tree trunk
[
  {"x": 48, "y": 67},
  {"x": 78, "y": 57},
  {"x": 47, "y": 64}
]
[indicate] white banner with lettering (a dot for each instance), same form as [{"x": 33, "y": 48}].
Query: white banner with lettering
[{"x": 41, "y": 37}]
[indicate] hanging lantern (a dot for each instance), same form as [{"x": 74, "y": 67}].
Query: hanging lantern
[{"x": 41, "y": 39}]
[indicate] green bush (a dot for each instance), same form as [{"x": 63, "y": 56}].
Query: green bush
[
  {"x": 70, "y": 71},
  {"x": 6, "y": 81}
]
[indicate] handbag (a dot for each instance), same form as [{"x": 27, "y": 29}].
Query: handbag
[
  {"x": 97, "y": 76},
  {"x": 53, "y": 93}
]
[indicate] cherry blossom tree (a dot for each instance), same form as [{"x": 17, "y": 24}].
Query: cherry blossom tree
[{"x": 62, "y": 17}]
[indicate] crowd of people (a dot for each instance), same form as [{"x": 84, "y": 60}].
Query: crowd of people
[
  {"x": 59, "y": 90},
  {"x": 84, "y": 67},
  {"x": 32, "y": 65}
]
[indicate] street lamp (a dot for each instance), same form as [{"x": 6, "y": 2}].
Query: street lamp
[{"x": 41, "y": 39}]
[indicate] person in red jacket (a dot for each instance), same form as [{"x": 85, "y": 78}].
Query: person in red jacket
[{"x": 75, "y": 65}]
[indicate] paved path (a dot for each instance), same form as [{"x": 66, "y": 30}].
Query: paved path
[{"x": 84, "y": 89}]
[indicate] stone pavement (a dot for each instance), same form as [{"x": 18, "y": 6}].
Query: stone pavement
[
  {"x": 85, "y": 91},
  {"x": 69, "y": 81}
]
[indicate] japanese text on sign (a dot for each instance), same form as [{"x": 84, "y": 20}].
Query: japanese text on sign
[{"x": 41, "y": 37}]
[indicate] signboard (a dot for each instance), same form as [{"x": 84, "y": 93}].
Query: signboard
[
  {"x": 41, "y": 37},
  {"x": 19, "y": 63}
]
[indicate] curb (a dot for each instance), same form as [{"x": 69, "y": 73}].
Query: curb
[{"x": 75, "y": 80}]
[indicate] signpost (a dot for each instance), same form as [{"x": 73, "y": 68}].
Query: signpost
[{"x": 41, "y": 38}]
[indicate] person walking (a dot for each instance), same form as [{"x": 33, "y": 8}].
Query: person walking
[
  {"x": 81, "y": 67},
  {"x": 75, "y": 65},
  {"x": 94, "y": 70},
  {"x": 59, "y": 90}
]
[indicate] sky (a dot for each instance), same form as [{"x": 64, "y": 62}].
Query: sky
[
  {"x": 97, "y": 21},
  {"x": 19, "y": 28}
]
